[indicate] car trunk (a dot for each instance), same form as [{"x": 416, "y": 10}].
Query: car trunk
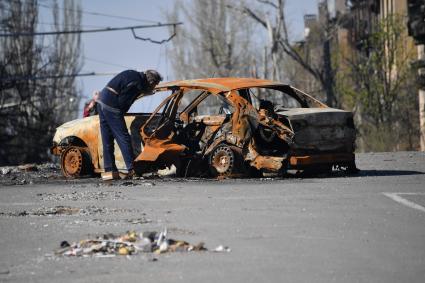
[{"x": 320, "y": 130}]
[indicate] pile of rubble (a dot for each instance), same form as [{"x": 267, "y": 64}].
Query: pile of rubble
[{"x": 130, "y": 243}]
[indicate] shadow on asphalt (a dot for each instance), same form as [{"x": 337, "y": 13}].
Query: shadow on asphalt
[
  {"x": 368, "y": 173},
  {"x": 57, "y": 178},
  {"x": 361, "y": 173},
  {"x": 365, "y": 173}
]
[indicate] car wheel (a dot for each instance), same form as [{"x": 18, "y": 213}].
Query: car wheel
[
  {"x": 222, "y": 161},
  {"x": 74, "y": 162}
]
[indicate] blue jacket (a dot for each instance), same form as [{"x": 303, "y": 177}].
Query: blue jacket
[{"x": 128, "y": 84}]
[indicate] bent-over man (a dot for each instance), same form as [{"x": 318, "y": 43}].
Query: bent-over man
[{"x": 113, "y": 102}]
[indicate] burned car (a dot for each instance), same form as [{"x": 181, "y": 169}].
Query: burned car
[{"x": 224, "y": 127}]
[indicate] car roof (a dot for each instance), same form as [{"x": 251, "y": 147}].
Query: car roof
[{"x": 220, "y": 84}]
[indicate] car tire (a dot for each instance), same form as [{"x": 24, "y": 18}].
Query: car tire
[
  {"x": 75, "y": 162},
  {"x": 223, "y": 161}
]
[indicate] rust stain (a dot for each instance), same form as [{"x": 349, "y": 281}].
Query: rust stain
[
  {"x": 154, "y": 148},
  {"x": 269, "y": 163},
  {"x": 216, "y": 85}
]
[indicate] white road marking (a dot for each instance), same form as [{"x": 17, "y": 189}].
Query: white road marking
[{"x": 396, "y": 197}]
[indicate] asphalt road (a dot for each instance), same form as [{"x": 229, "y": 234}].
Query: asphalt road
[{"x": 364, "y": 228}]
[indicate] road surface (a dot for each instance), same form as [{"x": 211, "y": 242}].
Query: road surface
[{"x": 364, "y": 228}]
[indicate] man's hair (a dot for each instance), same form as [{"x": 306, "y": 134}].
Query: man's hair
[{"x": 153, "y": 77}]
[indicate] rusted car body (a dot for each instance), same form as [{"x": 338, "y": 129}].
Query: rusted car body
[
  {"x": 79, "y": 144},
  {"x": 225, "y": 127}
]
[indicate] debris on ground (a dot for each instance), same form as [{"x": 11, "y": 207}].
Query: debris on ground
[
  {"x": 221, "y": 249},
  {"x": 130, "y": 243},
  {"x": 5, "y": 170},
  {"x": 82, "y": 196},
  {"x": 133, "y": 184},
  {"x": 68, "y": 210},
  {"x": 112, "y": 222},
  {"x": 29, "y": 173},
  {"x": 28, "y": 167}
]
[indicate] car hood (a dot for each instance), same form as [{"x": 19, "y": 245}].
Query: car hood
[{"x": 77, "y": 127}]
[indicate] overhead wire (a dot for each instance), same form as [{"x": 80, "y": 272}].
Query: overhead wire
[
  {"x": 70, "y": 25},
  {"x": 105, "y": 62},
  {"x": 101, "y": 14},
  {"x": 92, "y": 13},
  {"x": 99, "y": 29},
  {"x": 24, "y": 78},
  {"x": 58, "y": 24},
  {"x": 108, "y": 29}
]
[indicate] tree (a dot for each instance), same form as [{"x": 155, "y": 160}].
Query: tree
[
  {"x": 271, "y": 16},
  {"x": 32, "y": 107},
  {"x": 214, "y": 43},
  {"x": 379, "y": 84}
]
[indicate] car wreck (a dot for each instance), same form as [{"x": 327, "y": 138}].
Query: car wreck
[{"x": 222, "y": 127}]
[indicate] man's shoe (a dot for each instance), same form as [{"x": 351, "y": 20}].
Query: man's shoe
[{"x": 108, "y": 176}]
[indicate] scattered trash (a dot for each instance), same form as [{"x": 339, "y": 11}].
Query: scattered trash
[
  {"x": 128, "y": 244},
  {"x": 128, "y": 183},
  {"x": 137, "y": 183},
  {"x": 28, "y": 167},
  {"x": 139, "y": 220},
  {"x": 82, "y": 196},
  {"x": 68, "y": 210},
  {"x": 112, "y": 222},
  {"x": 28, "y": 174},
  {"x": 222, "y": 248},
  {"x": 5, "y": 170}
]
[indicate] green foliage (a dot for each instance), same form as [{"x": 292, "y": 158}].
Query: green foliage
[{"x": 379, "y": 85}]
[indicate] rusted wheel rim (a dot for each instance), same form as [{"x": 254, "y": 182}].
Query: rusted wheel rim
[
  {"x": 72, "y": 162},
  {"x": 223, "y": 160}
]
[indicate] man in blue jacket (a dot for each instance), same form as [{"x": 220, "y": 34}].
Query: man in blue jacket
[{"x": 113, "y": 102}]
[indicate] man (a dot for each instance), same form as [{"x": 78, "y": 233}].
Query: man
[{"x": 113, "y": 102}]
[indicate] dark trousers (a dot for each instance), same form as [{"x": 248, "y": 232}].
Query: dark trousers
[{"x": 112, "y": 126}]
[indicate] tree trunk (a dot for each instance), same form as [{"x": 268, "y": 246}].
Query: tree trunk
[{"x": 328, "y": 82}]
